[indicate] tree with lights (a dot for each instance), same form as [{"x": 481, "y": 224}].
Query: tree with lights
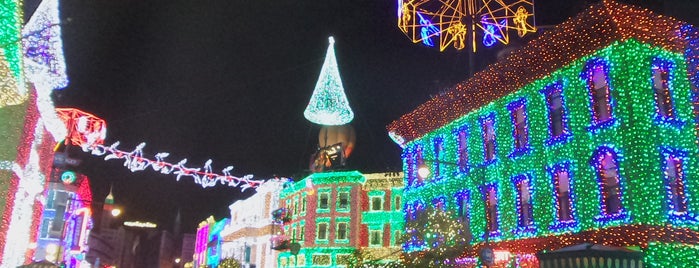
[{"x": 441, "y": 235}]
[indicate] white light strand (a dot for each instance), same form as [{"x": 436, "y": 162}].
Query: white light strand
[
  {"x": 135, "y": 161},
  {"x": 31, "y": 182},
  {"x": 44, "y": 62}
]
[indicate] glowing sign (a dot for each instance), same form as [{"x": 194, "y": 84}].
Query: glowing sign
[
  {"x": 68, "y": 177},
  {"x": 139, "y": 224}
]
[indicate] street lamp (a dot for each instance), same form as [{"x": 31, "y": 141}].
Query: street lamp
[{"x": 116, "y": 212}]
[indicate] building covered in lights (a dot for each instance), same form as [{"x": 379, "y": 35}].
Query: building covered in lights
[
  {"x": 333, "y": 214},
  {"x": 66, "y": 220},
  {"x": 588, "y": 134},
  {"x": 248, "y": 235},
  {"x": 207, "y": 247}
]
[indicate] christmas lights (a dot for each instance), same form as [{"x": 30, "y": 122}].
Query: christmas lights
[
  {"x": 448, "y": 22},
  {"x": 604, "y": 170},
  {"x": 328, "y": 104},
  {"x": 44, "y": 62},
  {"x": 11, "y": 18},
  {"x": 135, "y": 161}
]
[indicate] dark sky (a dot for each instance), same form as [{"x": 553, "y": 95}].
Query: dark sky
[{"x": 229, "y": 80}]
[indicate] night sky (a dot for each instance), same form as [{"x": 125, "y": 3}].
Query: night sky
[{"x": 229, "y": 80}]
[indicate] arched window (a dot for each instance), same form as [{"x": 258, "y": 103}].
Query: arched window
[{"x": 607, "y": 168}]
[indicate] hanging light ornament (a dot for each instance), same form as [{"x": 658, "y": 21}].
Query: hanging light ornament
[{"x": 328, "y": 104}]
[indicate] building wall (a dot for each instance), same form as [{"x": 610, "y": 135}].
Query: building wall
[
  {"x": 332, "y": 251},
  {"x": 251, "y": 226},
  {"x": 636, "y": 136}
]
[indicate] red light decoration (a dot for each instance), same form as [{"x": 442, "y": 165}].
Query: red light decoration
[{"x": 83, "y": 128}]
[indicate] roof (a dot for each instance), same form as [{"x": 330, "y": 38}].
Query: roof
[{"x": 595, "y": 28}]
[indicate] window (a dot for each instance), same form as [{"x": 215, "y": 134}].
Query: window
[
  {"x": 564, "y": 203},
  {"x": 322, "y": 231},
  {"x": 462, "y": 149},
  {"x": 293, "y": 233},
  {"x": 674, "y": 177},
  {"x": 323, "y": 200},
  {"x": 491, "y": 199},
  {"x": 411, "y": 167},
  {"x": 296, "y": 207},
  {"x": 556, "y": 111},
  {"x": 524, "y": 202},
  {"x": 464, "y": 208},
  {"x": 397, "y": 203},
  {"x": 661, "y": 88},
  {"x": 343, "y": 203},
  {"x": 303, "y": 205},
  {"x": 45, "y": 226},
  {"x": 608, "y": 179},
  {"x": 376, "y": 203},
  {"x": 341, "y": 231},
  {"x": 419, "y": 161},
  {"x": 555, "y": 106},
  {"x": 598, "y": 84},
  {"x": 302, "y": 234},
  {"x": 397, "y": 238},
  {"x": 489, "y": 139},
  {"x": 519, "y": 122},
  {"x": 438, "y": 144},
  {"x": 375, "y": 238}
]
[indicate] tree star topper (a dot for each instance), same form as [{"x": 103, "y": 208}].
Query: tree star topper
[{"x": 328, "y": 104}]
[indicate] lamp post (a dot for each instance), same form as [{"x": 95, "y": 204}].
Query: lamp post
[{"x": 486, "y": 253}]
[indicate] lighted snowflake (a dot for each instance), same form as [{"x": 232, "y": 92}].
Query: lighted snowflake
[{"x": 459, "y": 22}]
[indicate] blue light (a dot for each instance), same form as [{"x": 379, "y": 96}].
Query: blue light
[
  {"x": 491, "y": 34},
  {"x": 427, "y": 30}
]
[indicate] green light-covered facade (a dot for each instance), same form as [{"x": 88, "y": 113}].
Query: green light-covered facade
[
  {"x": 330, "y": 217},
  {"x": 636, "y": 140}
]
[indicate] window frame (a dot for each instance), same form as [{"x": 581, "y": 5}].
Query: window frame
[
  {"x": 520, "y": 130},
  {"x": 346, "y": 233},
  {"x": 338, "y": 206},
  {"x": 665, "y": 66},
  {"x": 486, "y": 122},
  {"x": 518, "y": 182},
  {"x": 438, "y": 152},
  {"x": 587, "y": 75},
  {"x": 325, "y": 231},
  {"x": 603, "y": 190},
  {"x": 381, "y": 203},
  {"x": 492, "y": 213},
  {"x": 371, "y": 238},
  {"x": 676, "y": 215},
  {"x": 549, "y": 91},
  {"x": 462, "y": 154}
]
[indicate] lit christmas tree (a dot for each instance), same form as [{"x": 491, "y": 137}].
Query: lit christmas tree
[{"x": 328, "y": 104}]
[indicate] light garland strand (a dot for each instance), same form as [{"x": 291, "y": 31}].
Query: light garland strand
[{"x": 135, "y": 161}]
